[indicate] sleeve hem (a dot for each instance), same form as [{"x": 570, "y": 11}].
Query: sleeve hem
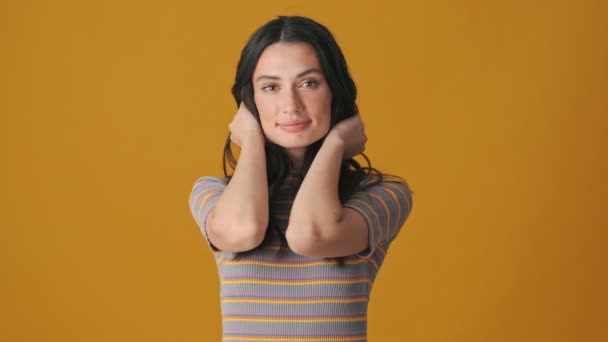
[
  {"x": 206, "y": 235},
  {"x": 370, "y": 249}
]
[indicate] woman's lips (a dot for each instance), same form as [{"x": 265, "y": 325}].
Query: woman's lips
[{"x": 294, "y": 127}]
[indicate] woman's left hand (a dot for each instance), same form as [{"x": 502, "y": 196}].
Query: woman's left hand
[{"x": 351, "y": 132}]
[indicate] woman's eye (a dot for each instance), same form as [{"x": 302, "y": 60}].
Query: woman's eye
[
  {"x": 269, "y": 87},
  {"x": 310, "y": 84}
]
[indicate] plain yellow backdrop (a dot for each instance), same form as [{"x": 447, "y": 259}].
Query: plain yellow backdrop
[{"x": 494, "y": 112}]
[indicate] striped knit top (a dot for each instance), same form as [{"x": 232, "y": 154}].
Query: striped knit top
[{"x": 271, "y": 296}]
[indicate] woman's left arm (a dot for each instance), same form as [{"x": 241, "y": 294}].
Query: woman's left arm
[{"x": 318, "y": 224}]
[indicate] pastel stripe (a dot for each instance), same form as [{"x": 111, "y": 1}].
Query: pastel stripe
[
  {"x": 294, "y": 314},
  {"x": 295, "y": 282},
  {"x": 289, "y": 277},
  {"x": 295, "y": 300},
  {"x": 289, "y": 264},
  {"x": 317, "y": 294},
  {"x": 297, "y": 333},
  {"x": 284, "y": 338}
]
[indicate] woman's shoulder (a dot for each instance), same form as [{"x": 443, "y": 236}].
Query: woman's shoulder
[
  {"x": 392, "y": 178},
  {"x": 383, "y": 192},
  {"x": 382, "y": 182},
  {"x": 210, "y": 180},
  {"x": 382, "y": 179}
]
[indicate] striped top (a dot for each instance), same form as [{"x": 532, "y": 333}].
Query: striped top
[{"x": 270, "y": 296}]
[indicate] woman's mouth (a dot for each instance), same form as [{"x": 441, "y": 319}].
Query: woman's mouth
[{"x": 294, "y": 127}]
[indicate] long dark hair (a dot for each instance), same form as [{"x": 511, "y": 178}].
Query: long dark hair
[{"x": 343, "y": 105}]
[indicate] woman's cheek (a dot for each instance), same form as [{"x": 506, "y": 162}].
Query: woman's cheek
[{"x": 265, "y": 126}]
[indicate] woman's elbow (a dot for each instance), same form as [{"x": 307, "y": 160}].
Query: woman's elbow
[
  {"x": 241, "y": 237},
  {"x": 303, "y": 241}
]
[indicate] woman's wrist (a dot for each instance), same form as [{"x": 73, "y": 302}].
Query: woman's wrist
[
  {"x": 333, "y": 141},
  {"x": 254, "y": 138}
]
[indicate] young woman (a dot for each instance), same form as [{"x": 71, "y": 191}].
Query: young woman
[{"x": 299, "y": 230}]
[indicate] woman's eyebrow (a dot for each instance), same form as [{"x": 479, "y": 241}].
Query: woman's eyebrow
[
  {"x": 309, "y": 71},
  {"x": 303, "y": 73},
  {"x": 267, "y": 77}
]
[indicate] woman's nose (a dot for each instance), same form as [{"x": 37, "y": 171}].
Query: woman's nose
[{"x": 291, "y": 102}]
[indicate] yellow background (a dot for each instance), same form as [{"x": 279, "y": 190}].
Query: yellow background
[{"x": 495, "y": 112}]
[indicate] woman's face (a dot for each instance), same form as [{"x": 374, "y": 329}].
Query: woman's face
[{"x": 292, "y": 96}]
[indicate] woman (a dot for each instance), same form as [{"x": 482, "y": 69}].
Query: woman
[{"x": 300, "y": 229}]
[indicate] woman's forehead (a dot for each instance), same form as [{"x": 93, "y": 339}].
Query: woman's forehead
[{"x": 286, "y": 60}]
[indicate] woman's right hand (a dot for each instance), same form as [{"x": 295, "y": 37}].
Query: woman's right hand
[{"x": 244, "y": 127}]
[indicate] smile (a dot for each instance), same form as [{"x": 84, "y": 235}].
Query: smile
[{"x": 294, "y": 128}]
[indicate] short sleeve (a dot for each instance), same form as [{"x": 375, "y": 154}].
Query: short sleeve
[
  {"x": 385, "y": 207},
  {"x": 204, "y": 195}
]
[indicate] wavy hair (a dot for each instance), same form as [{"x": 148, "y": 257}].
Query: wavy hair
[{"x": 343, "y": 105}]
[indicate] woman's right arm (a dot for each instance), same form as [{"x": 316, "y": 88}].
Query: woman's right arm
[{"x": 239, "y": 218}]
